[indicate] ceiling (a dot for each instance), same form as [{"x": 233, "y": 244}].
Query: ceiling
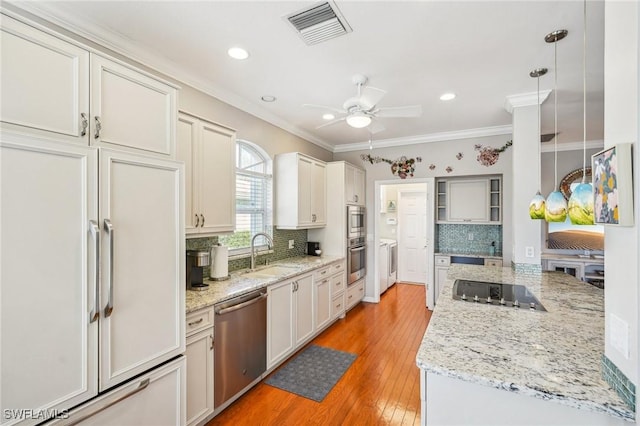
[{"x": 415, "y": 50}]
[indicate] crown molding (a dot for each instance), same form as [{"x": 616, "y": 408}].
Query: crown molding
[
  {"x": 107, "y": 39},
  {"x": 525, "y": 99},
  {"x": 572, "y": 146},
  {"x": 433, "y": 137}
]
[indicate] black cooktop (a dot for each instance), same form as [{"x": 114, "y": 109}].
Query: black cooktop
[{"x": 510, "y": 295}]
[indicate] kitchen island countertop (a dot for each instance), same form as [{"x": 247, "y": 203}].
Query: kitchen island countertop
[
  {"x": 553, "y": 356},
  {"x": 238, "y": 283}
]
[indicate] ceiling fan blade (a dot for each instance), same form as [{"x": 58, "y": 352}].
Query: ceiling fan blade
[
  {"x": 325, "y": 108},
  {"x": 400, "y": 112},
  {"x": 375, "y": 127},
  {"x": 332, "y": 122},
  {"x": 370, "y": 96}
]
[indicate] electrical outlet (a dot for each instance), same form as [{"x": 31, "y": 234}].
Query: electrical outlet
[
  {"x": 470, "y": 236},
  {"x": 291, "y": 244},
  {"x": 619, "y": 334},
  {"x": 528, "y": 251}
]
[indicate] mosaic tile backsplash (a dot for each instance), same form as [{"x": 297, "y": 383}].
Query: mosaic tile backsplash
[
  {"x": 619, "y": 382},
  {"x": 454, "y": 238},
  {"x": 280, "y": 248}
]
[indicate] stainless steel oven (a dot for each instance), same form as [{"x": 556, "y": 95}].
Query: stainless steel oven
[
  {"x": 356, "y": 259},
  {"x": 356, "y": 222}
]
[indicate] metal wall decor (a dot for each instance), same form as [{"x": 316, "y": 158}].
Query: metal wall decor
[{"x": 403, "y": 167}]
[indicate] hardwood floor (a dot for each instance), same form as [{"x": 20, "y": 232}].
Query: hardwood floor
[{"x": 382, "y": 386}]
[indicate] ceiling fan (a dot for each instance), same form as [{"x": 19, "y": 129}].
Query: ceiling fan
[{"x": 362, "y": 110}]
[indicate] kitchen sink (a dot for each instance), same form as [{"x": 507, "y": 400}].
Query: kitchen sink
[{"x": 271, "y": 271}]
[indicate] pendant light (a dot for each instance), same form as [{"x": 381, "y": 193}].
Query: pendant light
[
  {"x": 581, "y": 200},
  {"x": 555, "y": 205},
  {"x": 537, "y": 204}
]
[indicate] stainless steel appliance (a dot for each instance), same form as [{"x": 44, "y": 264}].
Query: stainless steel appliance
[
  {"x": 356, "y": 222},
  {"x": 313, "y": 248},
  {"x": 240, "y": 347},
  {"x": 196, "y": 261},
  {"x": 356, "y": 259},
  {"x": 512, "y": 295},
  {"x": 393, "y": 264}
]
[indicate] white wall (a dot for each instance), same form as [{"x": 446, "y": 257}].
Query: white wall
[
  {"x": 441, "y": 154},
  {"x": 621, "y": 124}
]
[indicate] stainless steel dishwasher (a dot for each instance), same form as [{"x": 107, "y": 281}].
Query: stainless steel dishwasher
[{"x": 240, "y": 348}]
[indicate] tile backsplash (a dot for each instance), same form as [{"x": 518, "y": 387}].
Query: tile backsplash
[
  {"x": 467, "y": 239},
  {"x": 280, "y": 248}
]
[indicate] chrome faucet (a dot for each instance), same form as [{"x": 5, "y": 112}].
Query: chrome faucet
[{"x": 253, "y": 248}]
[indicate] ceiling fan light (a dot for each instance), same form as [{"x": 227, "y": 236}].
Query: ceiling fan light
[{"x": 358, "y": 120}]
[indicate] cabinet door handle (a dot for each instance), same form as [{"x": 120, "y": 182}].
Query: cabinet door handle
[
  {"x": 142, "y": 386},
  {"x": 109, "y": 227},
  {"x": 98, "y": 127},
  {"x": 84, "y": 122},
  {"x": 192, "y": 323},
  {"x": 202, "y": 217},
  {"x": 197, "y": 220},
  {"x": 95, "y": 233},
  {"x": 211, "y": 337},
  {"x": 355, "y": 198}
]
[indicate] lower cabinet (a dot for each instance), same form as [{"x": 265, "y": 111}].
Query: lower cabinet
[
  {"x": 322, "y": 296},
  {"x": 355, "y": 293},
  {"x": 289, "y": 317},
  {"x": 199, "y": 365},
  {"x": 155, "y": 398}
]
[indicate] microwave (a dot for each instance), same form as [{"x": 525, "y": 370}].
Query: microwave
[{"x": 356, "y": 220}]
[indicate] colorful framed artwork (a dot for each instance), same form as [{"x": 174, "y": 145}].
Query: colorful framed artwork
[{"x": 613, "y": 186}]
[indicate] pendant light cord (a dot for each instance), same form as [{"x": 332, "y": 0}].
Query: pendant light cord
[
  {"x": 555, "y": 114},
  {"x": 584, "y": 97},
  {"x": 539, "y": 123}
]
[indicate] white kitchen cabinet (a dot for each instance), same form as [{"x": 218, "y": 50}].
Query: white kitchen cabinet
[
  {"x": 199, "y": 376},
  {"x": 131, "y": 109},
  {"x": 280, "y": 322},
  {"x": 322, "y": 297},
  {"x": 208, "y": 151},
  {"x": 48, "y": 198},
  {"x": 304, "y": 308},
  {"x": 441, "y": 270},
  {"x": 355, "y": 293},
  {"x": 45, "y": 83},
  {"x": 129, "y": 319},
  {"x": 155, "y": 398},
  {"x": 476, "y": 200},
  {"x": 383, "y": 266},
  {"x": 355, "y": 185},
  {"x": 58, "y": 89},
  {"x": 300, "y": 191}
]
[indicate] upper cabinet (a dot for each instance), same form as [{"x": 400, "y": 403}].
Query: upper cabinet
[
  {"x": 59, "y": 90},
  {"x": 469, "y": 200},
  {"x": 354, "y": 185},
  {"x": 301, "y": 195},
  {"x": 208, "y": 152}
]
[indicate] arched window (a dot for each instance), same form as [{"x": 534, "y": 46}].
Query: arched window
[{"x": 253, "y": 197}]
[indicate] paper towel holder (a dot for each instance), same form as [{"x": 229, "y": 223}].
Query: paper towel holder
[{"x": 215, "y": 268}]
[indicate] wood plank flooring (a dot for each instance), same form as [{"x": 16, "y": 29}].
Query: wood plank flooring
[{"x": 382, "y": 386}]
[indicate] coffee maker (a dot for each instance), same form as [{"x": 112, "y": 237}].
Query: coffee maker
[
  {"x": 196, "y": 261},
  {"x": 313, "y": 248}
]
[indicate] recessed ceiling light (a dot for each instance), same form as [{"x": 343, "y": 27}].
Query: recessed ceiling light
[
  {"x": 328, "y": 116},
  {"x": 268, "y": 98},
  {"x": 447, "y": 96},
  {"x": 238, "y": 53}
]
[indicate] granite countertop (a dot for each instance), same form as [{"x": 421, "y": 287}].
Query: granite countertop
[
  {"x": 484, "y": 255},
  {"x": 554, "y": 355},
  {"x": 239, "y": 284}
]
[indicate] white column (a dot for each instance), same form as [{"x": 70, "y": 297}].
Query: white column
[{"x": 526, "y": 234}]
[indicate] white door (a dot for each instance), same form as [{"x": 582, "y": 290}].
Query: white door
[
  {"x": 383, "y": 267},
  {"x": 322, "y": 302},
  {"x": 412, "y": 236},
  {"x": 199, "y": 376},
  {"x": 304, "y": 308},
  {"x": 48, "y": 279},
  {"x": 280, "y": 322},
  {"x": 143, "y": 281},
  {"x": 45, "y": 82},
  {"x": 305, "y": 169},
  {"x": 187, "y": 137}
]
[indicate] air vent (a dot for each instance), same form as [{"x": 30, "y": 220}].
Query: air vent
[
  {"x": 319, "y": 23},
  {"x": 548, "y": 137}
]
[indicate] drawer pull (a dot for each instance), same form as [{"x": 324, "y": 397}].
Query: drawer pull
[{"x": 192, "y": 323}]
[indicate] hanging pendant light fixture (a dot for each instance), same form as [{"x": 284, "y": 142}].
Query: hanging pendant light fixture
[
  {"x": 581, "y": 200},
  {"x": 555, "y": 205},
  {"x": 537, "y": 204}
]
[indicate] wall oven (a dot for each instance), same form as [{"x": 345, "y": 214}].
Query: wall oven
[
  {"x": 356, "y": 259},
  {"x": 356, "y": 222}
]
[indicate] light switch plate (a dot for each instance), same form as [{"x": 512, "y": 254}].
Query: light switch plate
[
  {"x": 619, "y": 334},
  {"x": 291, "y": 244},
  {"x": 528, "y": 251}
]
